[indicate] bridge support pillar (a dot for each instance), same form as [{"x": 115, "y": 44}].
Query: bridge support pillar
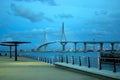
[
  {"x": 75, "y": 43},
  {"x": 112, "y": 47},
  {"x": 85, "y": 47},
  {"x": 63, "y": 45},
  {"x": 45, "y": 47},
  {"x": 101, "y": 47}
]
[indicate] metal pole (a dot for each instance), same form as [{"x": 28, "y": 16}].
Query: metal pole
[
  {"x": 45, "y": 59},
  {"x": 88, "y": 62},
  {"x": 10, "y": 52},
  {"x": 50, "y": 61},
  {"x": 99, "y": 63},
  {"x": 15, "y": 52},
  {"x": 73, "y": 60},
  {"x": 61, "y": 58},
  {"x": 80, "y": 61},
  {"x": 66, "y": 59},
  {"x": 114, "y": 70}
]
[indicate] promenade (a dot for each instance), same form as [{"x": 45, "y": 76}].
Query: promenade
[{"x": 28, "y": 69}]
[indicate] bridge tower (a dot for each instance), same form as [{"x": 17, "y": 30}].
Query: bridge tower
[
  {"x": 45, "y": 40},
  {"x": 63, "y": 36},
  {"x": 63, "y": 39}
]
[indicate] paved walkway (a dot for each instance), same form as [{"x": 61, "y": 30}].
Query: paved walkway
[
  {"x": 28, "y": 69},
  {"x": 103, "y": 73}
]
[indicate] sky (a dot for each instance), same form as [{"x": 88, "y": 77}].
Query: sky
[{"x": 84, "y": 20}]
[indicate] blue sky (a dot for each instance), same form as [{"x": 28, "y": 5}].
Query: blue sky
[{"x": 85, "y": 20}]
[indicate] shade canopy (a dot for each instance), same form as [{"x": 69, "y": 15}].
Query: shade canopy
[
  {"x": 16, "y": 42},
  {"x": 7, "y": 44}
]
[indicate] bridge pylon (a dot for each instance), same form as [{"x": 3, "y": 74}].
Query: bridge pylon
[
  {"x": 45, "y": 40},
  {"x": 63, "y": 39},
  {"x": 63, "y": 36}
]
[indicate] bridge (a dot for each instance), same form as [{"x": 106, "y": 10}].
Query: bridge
[{"x": 63, "y": 42}]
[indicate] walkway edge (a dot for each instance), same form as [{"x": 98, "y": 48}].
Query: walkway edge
[{"x": 103, "y": 73}]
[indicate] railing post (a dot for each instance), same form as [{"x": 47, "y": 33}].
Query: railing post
[
  {"x": 80, "y": 63},
  {"x": 38, "y": 58},
  {"x": 61, "y": 58},
  {"x": 42, "y": 59},
  {"x": 66, "y": 59},
  {"x": 114, "y": 70},
  {"x": 45, "y": 59},
  {"x": 56, "y": 60},
  {"x": 99, "y": 63},
  {"x": 73, "y": 60},
  {"x": 88, "y": 62},
  {"x": 50, "y": 61}
]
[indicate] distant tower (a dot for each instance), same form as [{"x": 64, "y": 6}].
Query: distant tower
[
  {"x": 45, "y": 40},
  {"x": 63, "y": 37}
]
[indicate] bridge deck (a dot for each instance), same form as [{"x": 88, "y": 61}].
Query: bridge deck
[{"x": 27, "y": 69}]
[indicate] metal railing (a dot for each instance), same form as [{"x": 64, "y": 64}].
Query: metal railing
[
  {"x": 89, "y": 61},
  {"x": 81, "y": 61}
]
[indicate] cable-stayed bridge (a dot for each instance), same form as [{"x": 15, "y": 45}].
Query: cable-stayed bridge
[{"x": 63, "y": 42}]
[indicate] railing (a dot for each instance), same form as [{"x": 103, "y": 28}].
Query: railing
[
  {"x": 100, "y": 63},
  {"x": 111, "y": 61}
]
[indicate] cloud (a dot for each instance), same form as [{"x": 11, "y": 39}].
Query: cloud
[
  {"x": 65, "y": 16},
  {"x": 35, "y": 35},
  {"x": 49, "y": 2},
  {"x": 94, "y": 31},
  {"x": 49, "y": 31},
  {"x": 101, "y": 12},
  {"x": 9, "y": 39},
  {"x": 115, "y": 15},
  {"x": 3, "y": 25},
  {"x": 96, "y": 22},
  {"x": 6, "y": 39},
  {"x": 49, "y": 19},
  {"x": 28, "y": 14}
]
